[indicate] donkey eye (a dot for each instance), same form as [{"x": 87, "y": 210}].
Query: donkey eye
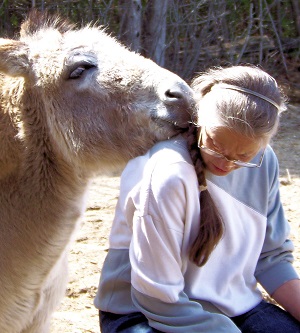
[{"x": 79, "y": 70}]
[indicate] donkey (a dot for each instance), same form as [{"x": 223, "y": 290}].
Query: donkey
[{"x": 74, "y": 103}]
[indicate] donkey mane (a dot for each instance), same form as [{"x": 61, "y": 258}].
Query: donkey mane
[{"x": 39, "y": 21}]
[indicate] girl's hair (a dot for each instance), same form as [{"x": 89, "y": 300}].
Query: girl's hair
[
  {"x": 211, "y": 224},
  {"x": 242, "y": 112}
]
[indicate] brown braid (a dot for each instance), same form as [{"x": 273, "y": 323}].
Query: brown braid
[{"x": 211, "y": 224}]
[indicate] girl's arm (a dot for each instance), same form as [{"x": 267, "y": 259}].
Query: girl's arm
[
  {"x": 288, "y": 296},
  {"x": 275, "y": 269}
]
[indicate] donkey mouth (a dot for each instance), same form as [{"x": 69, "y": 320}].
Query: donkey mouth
[
  {"x": 169, "y": 123},
  {"x": 168, "y": 128}
]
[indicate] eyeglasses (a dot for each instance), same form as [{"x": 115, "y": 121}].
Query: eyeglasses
[{"x": 235, "y": 162}]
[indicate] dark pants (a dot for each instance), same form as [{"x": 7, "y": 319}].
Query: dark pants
[
  {"x": 264, "y": 318},
  {"x": 131, "y": 323}
]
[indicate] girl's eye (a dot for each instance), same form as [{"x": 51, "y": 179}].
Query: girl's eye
[
  {"x": 212, "y": 143},
  {"x": 209, "y": 139}
]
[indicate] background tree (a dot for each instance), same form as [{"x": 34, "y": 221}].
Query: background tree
[
  {"x": 154, "y": 30},
  {"x": 131, "y": 23},
  {"x": 187, "y": 36}
]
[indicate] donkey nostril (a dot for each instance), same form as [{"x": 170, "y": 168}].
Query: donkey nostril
[
  {"x": 178, "y": 99},
  {"x": 179, "y": 93}
]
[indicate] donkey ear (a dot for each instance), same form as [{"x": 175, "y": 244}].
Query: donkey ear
[{"x": 13, "y": 57}]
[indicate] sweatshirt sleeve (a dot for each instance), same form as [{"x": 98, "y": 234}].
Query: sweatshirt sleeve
[
  {"x": 183, "y": 316},
  {"x": 162, "y": 228},
  {"x": 275, "y": 265}
]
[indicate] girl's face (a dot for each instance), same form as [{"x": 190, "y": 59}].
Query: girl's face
[{"x": 224, "y": 150}]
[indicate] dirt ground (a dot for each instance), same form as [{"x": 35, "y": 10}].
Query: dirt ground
[{"x": 77, "y": 313}]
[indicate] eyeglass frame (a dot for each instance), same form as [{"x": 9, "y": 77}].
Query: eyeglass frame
[{"x": 238, "y": 163}]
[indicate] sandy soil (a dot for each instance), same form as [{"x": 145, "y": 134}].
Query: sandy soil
[{"x": 77, "y": 313}]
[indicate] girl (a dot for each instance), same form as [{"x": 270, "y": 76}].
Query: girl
[{"x": 199, "y": 222}]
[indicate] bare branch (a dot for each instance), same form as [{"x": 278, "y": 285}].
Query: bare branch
[
  {"x": 277, "y": 37},
  {"x": 250, "y": 24}
]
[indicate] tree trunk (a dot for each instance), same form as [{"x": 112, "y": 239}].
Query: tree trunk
[
  {"x": 154, "y": 30},
  {"x": 131, "y": 23},
  {"x": 296, "y": 12}
]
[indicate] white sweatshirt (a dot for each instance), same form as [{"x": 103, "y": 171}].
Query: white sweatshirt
[{"x": 147, "y": 268}]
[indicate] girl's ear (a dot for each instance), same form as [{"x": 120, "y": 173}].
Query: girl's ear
[{"x": 13, "y": 57}]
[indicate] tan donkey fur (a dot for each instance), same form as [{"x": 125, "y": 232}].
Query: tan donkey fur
[{"x": 74, "y": 102}]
